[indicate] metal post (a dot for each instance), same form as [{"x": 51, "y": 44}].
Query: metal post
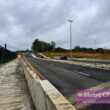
[
  {"x": 95, "y": 52},
  {"x": 70, "y": 21}
]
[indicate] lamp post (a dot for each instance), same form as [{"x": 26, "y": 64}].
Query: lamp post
[{"x": 70, "y": 21}]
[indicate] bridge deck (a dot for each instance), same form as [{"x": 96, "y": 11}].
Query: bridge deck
[{"x": 14, "y": 93}]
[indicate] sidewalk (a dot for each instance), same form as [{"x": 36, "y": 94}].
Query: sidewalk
[{"x": 14, "y": 93}]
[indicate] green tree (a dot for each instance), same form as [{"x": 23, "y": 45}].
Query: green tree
[
  {"x": 52, "y": 45},
  {"x": 41, "y": 46}
]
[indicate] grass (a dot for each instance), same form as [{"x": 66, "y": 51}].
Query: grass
[{"x": 93, "y": 55}]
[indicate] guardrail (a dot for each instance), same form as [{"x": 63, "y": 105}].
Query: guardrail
[{"x": 45, "y": 96}]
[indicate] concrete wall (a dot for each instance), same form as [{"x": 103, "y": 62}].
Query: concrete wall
[{"x": 45, "y": 96}]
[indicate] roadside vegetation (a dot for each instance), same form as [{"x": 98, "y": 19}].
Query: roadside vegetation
[
  {"x": 94, "y": 55},
  {"x": 6, "y": 55},
  {"x": 50, "y": 50},
  {"x": 41, "y": 46}
]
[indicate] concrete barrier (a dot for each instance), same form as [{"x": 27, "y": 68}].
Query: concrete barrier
[{"x": 45, "y": 96}]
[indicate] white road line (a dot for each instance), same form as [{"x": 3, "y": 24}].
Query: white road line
[{"x": 85, "y": 74}]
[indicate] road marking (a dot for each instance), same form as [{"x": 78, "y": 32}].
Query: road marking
[{"x": 85, "y": 74}]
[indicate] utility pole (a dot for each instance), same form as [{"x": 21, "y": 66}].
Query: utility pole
[
  {"x": 95, "y": 52},
  {"x": 70, "y": 21}
]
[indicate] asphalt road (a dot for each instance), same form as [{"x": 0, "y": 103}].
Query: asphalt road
[
  {"x": 69, "y": 78},
  {"x": 94, "y": 61}
]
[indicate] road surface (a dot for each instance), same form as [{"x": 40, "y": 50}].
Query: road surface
[
  {"x": 69, "y": 78},
  {"x": 94, "y": 61}
]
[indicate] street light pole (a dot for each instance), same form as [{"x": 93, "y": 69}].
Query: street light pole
[
  {"x": 95, "y": 51},
  {"x": 70, "y": 21}
]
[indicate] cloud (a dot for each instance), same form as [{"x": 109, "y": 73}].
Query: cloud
[{"x": 23, "y": 21}]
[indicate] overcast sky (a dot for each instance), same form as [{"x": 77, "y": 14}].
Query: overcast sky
[{"x": 22, "y": 21}]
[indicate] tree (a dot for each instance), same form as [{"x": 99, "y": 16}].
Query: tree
[
  {"x": 52, "y": 45},
  {"x": 77, "y": 48},
  {"x": 100, "y": 50},
  {"x": 6, "y": 55},
  {"x": 41, "y": 46}
]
